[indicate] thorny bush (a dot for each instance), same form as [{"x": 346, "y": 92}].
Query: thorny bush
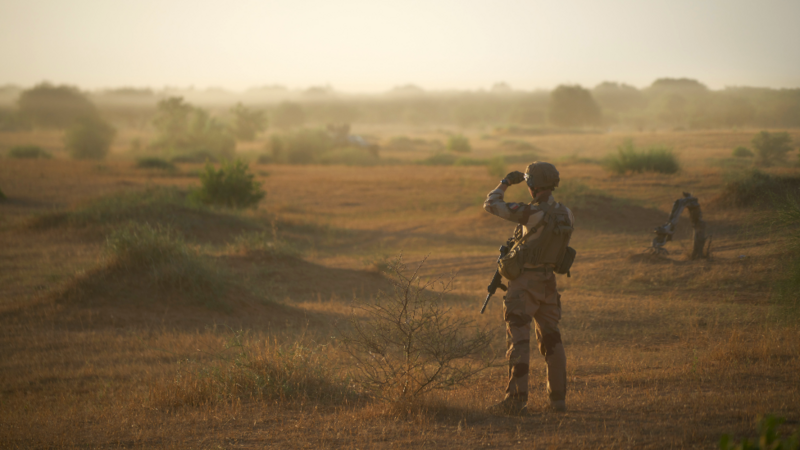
[{"x": 410, "y": 344}]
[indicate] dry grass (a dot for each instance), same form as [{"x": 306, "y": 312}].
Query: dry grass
[{"x": 662, "y": 352}]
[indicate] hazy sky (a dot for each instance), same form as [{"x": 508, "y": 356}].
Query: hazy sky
[{"x": 373, "y": 45}]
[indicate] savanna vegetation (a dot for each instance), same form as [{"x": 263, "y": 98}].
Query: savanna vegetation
[{"x": 211, "y": 283}]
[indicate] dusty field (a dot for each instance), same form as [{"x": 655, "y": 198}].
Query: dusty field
[{"x": 662, "y": 353}]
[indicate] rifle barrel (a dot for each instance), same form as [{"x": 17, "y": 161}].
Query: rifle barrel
[{"x": 486, "y": 302}]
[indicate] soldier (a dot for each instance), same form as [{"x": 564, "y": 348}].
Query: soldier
[{"x": 533, "y": 295}]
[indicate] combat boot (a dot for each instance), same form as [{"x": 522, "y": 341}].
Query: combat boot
[{"x": 515, "y": 405}]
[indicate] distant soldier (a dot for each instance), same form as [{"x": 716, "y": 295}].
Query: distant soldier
[{"x": 533, "y": 295}]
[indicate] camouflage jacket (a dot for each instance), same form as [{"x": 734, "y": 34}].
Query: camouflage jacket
[{"x": 514, "y": 212}]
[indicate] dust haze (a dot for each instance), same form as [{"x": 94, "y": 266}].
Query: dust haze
[{"x": 262, "y": 224}]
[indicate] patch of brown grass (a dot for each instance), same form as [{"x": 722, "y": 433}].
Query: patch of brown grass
[{"x": 662, "y": 353}]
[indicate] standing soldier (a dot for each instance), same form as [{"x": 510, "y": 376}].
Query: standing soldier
[{"x": 533, "y": 295}]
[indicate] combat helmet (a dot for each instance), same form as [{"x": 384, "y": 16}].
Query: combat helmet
[{"x": 541, "y": 175}]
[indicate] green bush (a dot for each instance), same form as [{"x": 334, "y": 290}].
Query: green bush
[
  {"x": 303, "y": 146},
  {"x": 188, "y": 130},
  {"x": 768, "y": 438},
  {"x": 742, "y": 152},
  {"x": 629, "y": 159},
  {"x": 155, "y": 163},
  {"x": 231, "y": 186},
  {"x": 458, "y": 143},
  {"x": 247, "y": 123},
  {"x": 771, "y": 148},
  {"x": 89, "y": 138},
  {"x": 28, "y": 152}
]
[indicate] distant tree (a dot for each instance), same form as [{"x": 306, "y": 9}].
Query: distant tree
[
  {"x": 459, "y": 144},
  {"x": 742, "y": 152},
  {"x": 209, "y": 135},
  {"x": 90, "y": 137},
  {"x": 407, "y": 90},
  {"x": 54, "y": 106},
  {"x": 572, "y": 106},
  {"x": 677, "y": 85},
  {"x": 319, "y": 91},
  {"x": 771, "y": 147},
  {"x": 288, "y": 115},
  {"x": 247, "y": 123},
  {"x": 501, "y": 88},
  {"x": 172, "y": 122},
  {"x": 185, "y": 128},
  {"x": 618, "y": 97},
  {"x": 733, "y": 111},
  {"x": 674, "y": 109},
  {"x": 11, "y": 120}
]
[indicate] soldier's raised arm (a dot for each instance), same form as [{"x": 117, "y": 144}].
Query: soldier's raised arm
[{"x": 495, "y": 204}]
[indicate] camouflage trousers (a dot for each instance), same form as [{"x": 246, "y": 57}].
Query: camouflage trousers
[{"x": 533, "y": 297}]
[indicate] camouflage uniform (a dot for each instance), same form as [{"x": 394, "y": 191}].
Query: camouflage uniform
[{"x": 531, "y": 297}]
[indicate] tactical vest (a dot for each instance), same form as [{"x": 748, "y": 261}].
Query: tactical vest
[{"x": 551, "y": 245}]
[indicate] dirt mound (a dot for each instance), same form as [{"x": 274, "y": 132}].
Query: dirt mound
[
  {"x": 162, "y": 206},
  {"x": 231, "y": 291},
  {"x": 618, "y": 215}
]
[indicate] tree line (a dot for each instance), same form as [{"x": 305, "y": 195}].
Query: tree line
[{"x": 667, "y": 103}]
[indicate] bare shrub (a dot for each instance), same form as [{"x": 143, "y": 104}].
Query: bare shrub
[{"x": 410, "y": 344}]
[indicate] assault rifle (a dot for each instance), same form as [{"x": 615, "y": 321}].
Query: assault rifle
[{"x": 497, "y": 279}]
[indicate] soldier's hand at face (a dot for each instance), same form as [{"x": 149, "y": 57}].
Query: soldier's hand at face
[{"x": 515, "y": 177}]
